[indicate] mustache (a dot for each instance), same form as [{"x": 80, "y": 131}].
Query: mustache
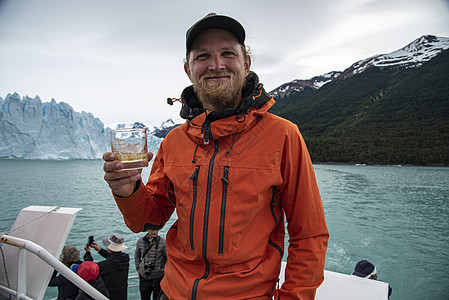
[{"x": 216, "y": 74}]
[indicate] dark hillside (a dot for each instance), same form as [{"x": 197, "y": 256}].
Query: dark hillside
[{"x": 380, "y": 116}]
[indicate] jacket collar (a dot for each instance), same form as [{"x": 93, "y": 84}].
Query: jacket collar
[
  {"x": 253, "y": 95},
  {"x": 208, "y": 126}
]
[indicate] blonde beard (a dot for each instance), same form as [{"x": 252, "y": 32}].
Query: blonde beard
[{"x": 219, "y": 95}]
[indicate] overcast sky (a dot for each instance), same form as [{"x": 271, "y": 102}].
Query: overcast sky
[{"x": 120, "y": 60}]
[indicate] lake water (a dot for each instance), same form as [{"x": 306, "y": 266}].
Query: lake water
[{"x": 396, "y": 217}]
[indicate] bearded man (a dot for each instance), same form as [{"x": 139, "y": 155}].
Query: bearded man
[{"x": 231, "y": 172}]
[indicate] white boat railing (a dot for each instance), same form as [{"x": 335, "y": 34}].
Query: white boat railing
[
  {"x": 335, "y": 285},
  {"x": 39, "y": 251},
  {"x": 132, "y": 277}
]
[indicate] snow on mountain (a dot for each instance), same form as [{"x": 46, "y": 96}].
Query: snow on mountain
[
  {"x": 171, "y": 122},
  {"x": 31, "y": 129},
  {"x": 411, "y": 56},
  {"x": 299, "y": 85},
  {"x": 166, "y": 127}
]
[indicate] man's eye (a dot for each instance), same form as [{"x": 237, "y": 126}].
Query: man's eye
[
  {"x": 228, "y": 53},
  {"x": 202, "y": 56}
]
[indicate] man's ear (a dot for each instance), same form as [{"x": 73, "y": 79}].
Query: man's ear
[{"x": 247, "y": 64}]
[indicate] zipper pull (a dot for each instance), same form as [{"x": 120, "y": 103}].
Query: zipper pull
[
  {"x": 194, "y": 176},
  {"x": 224, "y": 179},
  {"x": 206, "y": 134}
]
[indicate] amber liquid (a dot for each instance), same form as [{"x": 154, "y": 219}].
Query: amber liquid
[{"x": 133, "y": 161}]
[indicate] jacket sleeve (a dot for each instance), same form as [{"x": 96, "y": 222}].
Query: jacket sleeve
[
  {"x": 308, "y": 234},
  {"x": 153, "y": 203},
  {"x": 56, "y": 280},
  {"x": 137, "y": 255},
  {"x": 88, "y": 256},
  {"x": 103, "y": 253}
]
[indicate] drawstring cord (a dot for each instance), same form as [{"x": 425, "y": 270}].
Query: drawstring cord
[
  {"x": 259, "y": 87},
  {"x": 233, "y": 141},
  {"x": 194, "y": 152}
]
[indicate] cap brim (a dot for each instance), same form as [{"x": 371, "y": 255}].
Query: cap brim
[
  {"x": 355, "y": 273},
  {"x": 106, "y": 241},
  {"x": 116, "y": 247}
]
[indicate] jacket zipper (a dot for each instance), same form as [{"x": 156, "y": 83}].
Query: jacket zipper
[
  {"x": 276, "y": 221},
  {"x": 194, "y": 177},
  {"x": 206, "y": 222},
  {"x": 225, "y": 181}
]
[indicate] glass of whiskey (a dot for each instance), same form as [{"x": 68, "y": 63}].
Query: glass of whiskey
[{"x": 130, "y": 147}]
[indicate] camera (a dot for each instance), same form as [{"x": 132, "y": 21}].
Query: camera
[
  {"x": 149, "y": 266},
  {"x": 90, "y": 240}
]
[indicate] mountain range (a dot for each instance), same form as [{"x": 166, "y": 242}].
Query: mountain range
[
  {"x": 387, "y": 109},
  {"x": 413, "y": 55}
]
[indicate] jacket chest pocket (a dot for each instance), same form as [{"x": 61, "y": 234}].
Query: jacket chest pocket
[
  {"x": 221, "y": 231},
  {"x": 194, "y": 187},
  {"x": 187, "y": 189},
  {"x": 245, "y": 213}
]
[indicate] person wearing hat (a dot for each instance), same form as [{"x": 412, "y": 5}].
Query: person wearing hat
[
  {"x": 231, "y": 171},
  {"x": 90, "y": 272},
  {"x": 113, "y": 270},
  {"x": 367, "y": 270}
]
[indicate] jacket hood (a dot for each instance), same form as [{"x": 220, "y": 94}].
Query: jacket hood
[
  {"x": 120, "y": 259},
  {"x": 253, "y": 95},
  {"x": 88, "y": 270}
]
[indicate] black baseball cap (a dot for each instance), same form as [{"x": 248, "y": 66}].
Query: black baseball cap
[
  {"x": 212, "y": 20},
  {"x": 364, "y": 269}
]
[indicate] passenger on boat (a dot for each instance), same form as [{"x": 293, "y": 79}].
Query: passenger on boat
[
  {"x": 90, "y": 272},
  {"x": 150, "y": 258},
  {"x": 231, "y": 172},
  {"x": 66, "y": 289},
  {"x": 114, "y": 270},
  {"x": 367, "y": 270}
]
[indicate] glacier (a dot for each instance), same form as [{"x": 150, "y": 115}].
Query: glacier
[{"x": 30, "y": 129}]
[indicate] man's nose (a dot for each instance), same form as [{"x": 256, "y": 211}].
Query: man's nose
[{"x": 216, "y": 63}]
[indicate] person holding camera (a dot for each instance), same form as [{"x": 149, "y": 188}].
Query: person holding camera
[
  {"x": 150, "y": 258},
  {"x": 113, "y": 270}
]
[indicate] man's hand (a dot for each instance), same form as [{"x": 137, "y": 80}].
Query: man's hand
[
  {"x": 95, "y": 246},
  {"x": 121, "y": 182}
]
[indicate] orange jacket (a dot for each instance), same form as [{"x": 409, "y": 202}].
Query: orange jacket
[{"x": 230, "y": 197}]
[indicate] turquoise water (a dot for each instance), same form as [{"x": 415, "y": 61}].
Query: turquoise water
[{"x": 396, "y": 217}]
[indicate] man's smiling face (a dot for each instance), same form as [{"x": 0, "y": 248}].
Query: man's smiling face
[{"x": 217, "y": 67}]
